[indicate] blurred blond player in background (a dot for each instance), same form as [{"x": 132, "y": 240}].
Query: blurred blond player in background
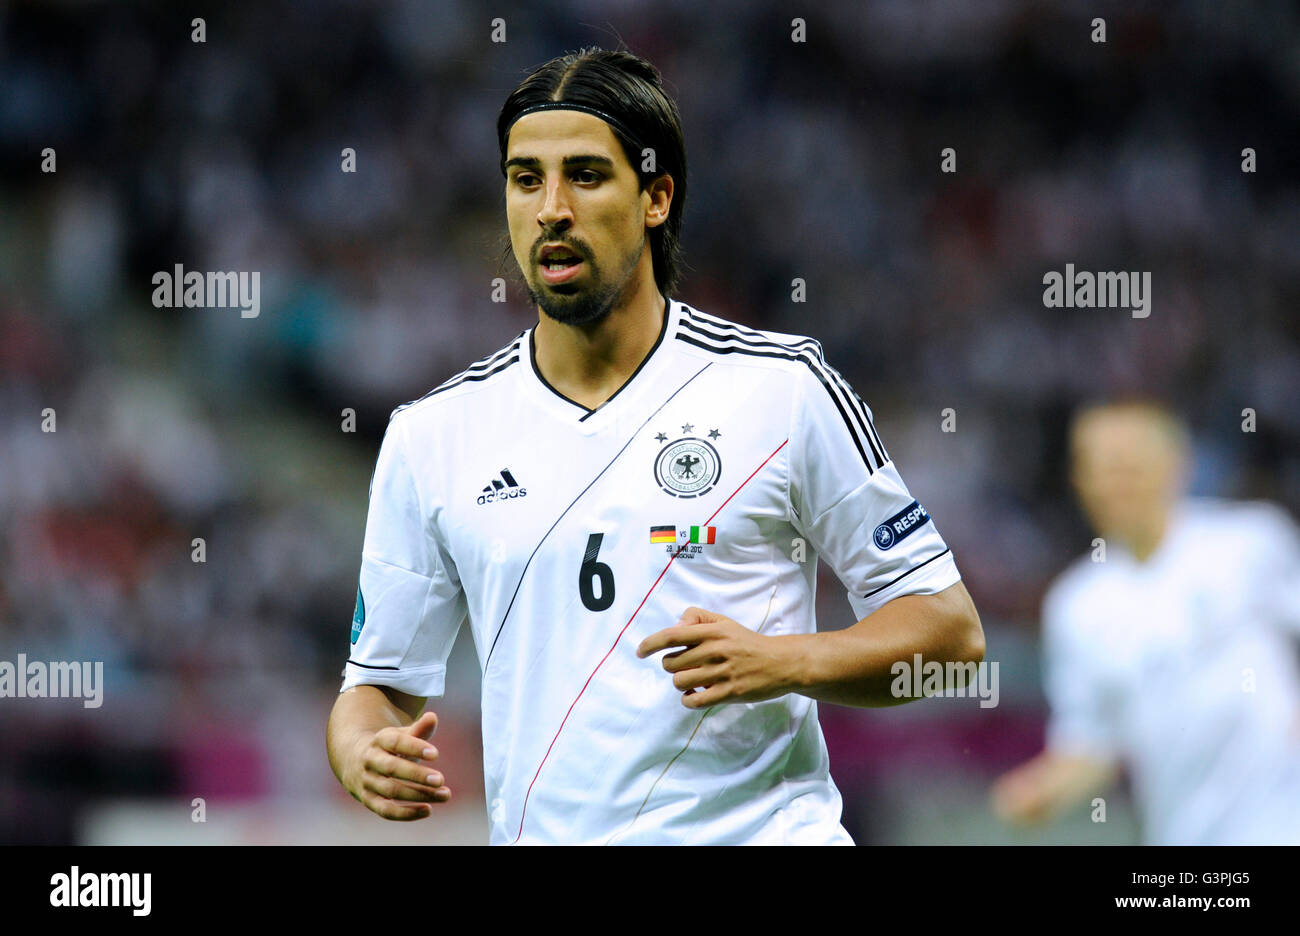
[{"x": 1175, "y": 655}]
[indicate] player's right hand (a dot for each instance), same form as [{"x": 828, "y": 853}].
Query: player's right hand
[{"x": 393, "y": 775}]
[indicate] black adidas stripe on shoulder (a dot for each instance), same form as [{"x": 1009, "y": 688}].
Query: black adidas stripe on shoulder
[
  {"x": 706, "y": 318},
  {"x": 723, "y": 337},
  {"x": 803, "y": 342},
  {"x": 481, "y": 369}
]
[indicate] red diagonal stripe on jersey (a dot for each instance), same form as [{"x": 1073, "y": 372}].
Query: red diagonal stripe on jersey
[{"x": 524, "y": 810}]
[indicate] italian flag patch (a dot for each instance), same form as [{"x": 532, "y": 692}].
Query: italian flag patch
[{"x": 705, "y": 534}]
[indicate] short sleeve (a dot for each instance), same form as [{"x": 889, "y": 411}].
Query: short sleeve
[
  {"x": 1082, "y": 717},
  {"x": 848, "y": 499},
  {"x": 410, "y": 604}
]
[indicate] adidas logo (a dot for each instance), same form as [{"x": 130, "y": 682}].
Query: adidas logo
[{"x": 502, "y": 489}]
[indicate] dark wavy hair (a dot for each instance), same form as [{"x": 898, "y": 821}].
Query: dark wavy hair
[{"x": 630, "y": 90}]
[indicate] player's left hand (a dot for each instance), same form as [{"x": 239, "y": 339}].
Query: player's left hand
[{"x": 721, "y": 660}]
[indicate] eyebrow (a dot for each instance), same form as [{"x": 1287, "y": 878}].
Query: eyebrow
[{"x": 532, "y": 162}]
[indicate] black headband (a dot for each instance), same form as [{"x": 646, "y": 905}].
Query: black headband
[{"x": 565, "y": 105}]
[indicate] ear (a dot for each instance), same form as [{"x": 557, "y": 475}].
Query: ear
[{"x": 658, "y": 200}]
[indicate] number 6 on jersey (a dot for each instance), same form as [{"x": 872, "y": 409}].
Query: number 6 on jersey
[{"x": 590, "y": 567}]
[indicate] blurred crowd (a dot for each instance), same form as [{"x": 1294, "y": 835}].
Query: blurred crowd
[{"x": 817, "y": 160}]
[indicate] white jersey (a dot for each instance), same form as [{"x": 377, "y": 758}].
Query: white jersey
[
  {"x": 714, "y": 477},
  {"x": 1184, "y": 667}
]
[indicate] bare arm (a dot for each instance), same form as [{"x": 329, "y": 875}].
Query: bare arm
[
  {"x": 378, "y": 746},
  {"x": 854, "y": 666},
  {"x": 1045, "y": 785},
  {"x": 728, "y": 662}
]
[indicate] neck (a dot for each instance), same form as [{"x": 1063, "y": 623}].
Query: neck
[
  {"x": 1144, "y": 540},
  {"x": 588, "y": 363}
]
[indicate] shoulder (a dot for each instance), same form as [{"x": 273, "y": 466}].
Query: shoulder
[
  {"x": 484, "y": 375},
  {"x": 1225, "y": 510},
  {"x": 795, "y": 380},
  {"x": 731, "y": 343},
  {"x": 798, "y": 361},
  {"x": 1243, "y": 523}
]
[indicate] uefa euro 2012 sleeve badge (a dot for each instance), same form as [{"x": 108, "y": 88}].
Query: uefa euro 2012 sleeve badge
[{"x": 688, "y": 466}]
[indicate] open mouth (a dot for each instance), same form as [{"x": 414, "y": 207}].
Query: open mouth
[{"x": 558, "y": 264}]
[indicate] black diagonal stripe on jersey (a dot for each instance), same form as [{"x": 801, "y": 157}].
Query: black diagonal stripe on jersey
[
  {"x": 826, "y": 382},
  {"x": 802, "y": 343},
  {"x": 479, "y": 370},
  {"x": 905, "y": 574},
  {"x": 370, "y": 666},
  {"x": 519, "y": 584},
  {"x": 752, "y": 337}
]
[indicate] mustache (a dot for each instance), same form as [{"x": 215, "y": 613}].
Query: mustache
[{"x": 576, "y": 247}]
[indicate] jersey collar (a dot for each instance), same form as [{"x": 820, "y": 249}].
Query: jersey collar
[{"x": 585, "y": 418}]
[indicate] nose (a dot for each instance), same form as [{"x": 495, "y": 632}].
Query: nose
[{"x": 555, "y": 211}]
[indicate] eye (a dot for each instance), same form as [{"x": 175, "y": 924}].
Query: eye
[
  {"x": 591, "y": 174},
  {"x": 523, "y": 179}
]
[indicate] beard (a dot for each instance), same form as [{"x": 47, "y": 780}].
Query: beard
[{"x": 575, "y": 304}]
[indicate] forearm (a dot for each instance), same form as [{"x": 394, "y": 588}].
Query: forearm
[
  {"x": 1051, "y": 783},
  {"x": 854, "y": 666},
  {"x": 361, "y": 711},
  {"x": 1072, "y": 779}
]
